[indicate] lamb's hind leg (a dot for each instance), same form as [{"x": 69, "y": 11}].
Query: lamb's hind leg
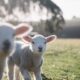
[{"x": 17, "y": 73}]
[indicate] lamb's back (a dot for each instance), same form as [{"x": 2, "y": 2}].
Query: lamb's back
[
  {"x": 14, "y": 58},
  {"x": 18, "y": 52}
]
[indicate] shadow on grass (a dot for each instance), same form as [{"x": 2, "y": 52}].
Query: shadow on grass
[{"x": 45, "y": 78}]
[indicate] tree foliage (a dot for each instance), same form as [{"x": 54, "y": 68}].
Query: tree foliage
[{"x": 53, "y": 24}]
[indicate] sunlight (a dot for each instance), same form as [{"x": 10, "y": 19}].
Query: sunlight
[
  {"x": 70, "y": 8},
  {"x": 35, "y": 13},
  {"x": 6, "y": 1}
]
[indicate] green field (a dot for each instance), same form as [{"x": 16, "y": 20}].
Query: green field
[{"x": 62, "y": 60}]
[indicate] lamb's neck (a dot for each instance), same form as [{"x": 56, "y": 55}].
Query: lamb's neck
[
  {"x": 37, "y": 60},
  {"x": 37, "y": 54}
]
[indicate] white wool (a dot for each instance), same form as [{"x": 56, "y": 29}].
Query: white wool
[
  {"x": 6, "y": 33},
  {"x": 29, "y": 57},
  {"x": 7, "y": 37}
]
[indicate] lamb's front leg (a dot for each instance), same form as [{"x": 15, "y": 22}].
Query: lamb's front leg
[
  {"x": 1, "y": 74},
  {"x": 38, "y": 74},
  {"x": 25, "y": 74},
  {"x": 2, "y": 65},
  {"x": 11, "y": 69}
]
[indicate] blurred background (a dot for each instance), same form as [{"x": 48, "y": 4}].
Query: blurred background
[
  {"x": 44, "y": 15},
  {"x": 71, "y": 13},
  {"x": 61, "y": 17}
]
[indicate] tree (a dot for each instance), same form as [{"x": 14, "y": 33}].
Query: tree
[{"x": 53, "y": 24}]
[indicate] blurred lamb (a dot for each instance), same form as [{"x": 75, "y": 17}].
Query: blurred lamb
[
  {"x": 7, "y": 35},
  {"x": 29, "y": 57}
]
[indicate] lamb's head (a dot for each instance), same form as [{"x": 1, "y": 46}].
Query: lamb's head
[
  {"x": 38, "y": 42},
  {"x": 7, "y": 35}
]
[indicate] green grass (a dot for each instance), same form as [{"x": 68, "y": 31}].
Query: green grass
[{"x": 62, "y": 60}]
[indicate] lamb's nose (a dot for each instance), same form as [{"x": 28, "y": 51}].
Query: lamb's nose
[
  {"x": 6, "y": 45},
  {"x": 40, "y": 49}
]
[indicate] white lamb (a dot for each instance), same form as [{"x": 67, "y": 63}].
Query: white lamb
[
  {"x": 29, "y": 57},
  {"x": 7, "y": 35}
]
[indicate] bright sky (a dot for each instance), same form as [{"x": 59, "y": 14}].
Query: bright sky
[{"x": 70, "y": 8}]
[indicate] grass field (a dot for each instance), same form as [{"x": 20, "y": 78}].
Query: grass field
[{"x": 62, "y": 60}]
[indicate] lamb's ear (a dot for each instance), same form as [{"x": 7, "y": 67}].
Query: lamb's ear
[
  {"x": 27, "y": 39},
  {"x": 23, "y": 29},
  {"x": 50, "y": 38}
]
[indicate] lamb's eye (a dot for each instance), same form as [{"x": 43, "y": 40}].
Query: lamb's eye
[
  {"x": 13, "y": 34},
  {"x": 32, "y": 42},
  {"x": 45, "y": 42}
]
